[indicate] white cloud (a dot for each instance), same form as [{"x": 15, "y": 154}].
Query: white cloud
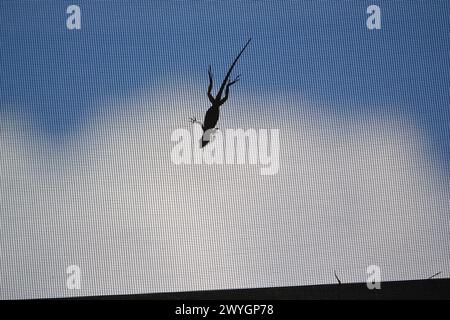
[{"x": 350, "y": 192}]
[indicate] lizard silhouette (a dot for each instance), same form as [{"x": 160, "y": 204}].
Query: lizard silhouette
[{"x": 213, "y": 113}]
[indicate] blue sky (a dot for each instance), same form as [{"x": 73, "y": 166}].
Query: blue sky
[{"x": 321, "y": 50}]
